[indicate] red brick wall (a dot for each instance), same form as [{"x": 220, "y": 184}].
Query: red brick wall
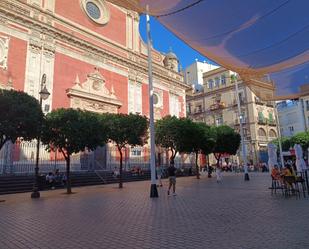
[
  {"x": 66, "y": 69},
  {"x": 115, "y": 29},
  {"x": 17, "y": 56}
]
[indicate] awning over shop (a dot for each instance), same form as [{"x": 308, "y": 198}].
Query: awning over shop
[{"x": 265, "y": 41}]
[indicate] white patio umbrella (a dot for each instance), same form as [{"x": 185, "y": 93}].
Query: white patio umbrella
[
  {"x": 300, "y": 163},
  {"x": 272, "y": 156}
]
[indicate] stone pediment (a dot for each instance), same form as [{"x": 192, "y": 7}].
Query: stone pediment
[{"x": 92, "y": 95}]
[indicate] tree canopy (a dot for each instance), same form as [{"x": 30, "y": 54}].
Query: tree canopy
[
  {"x": 21, "y": 116},
  {"x": 196, "y": 138},
  {"x": 301, "y": 138},
  {"x": 170, "y": 133},
  {"x": 123, "y": 130},
  {"x": 126, "y": 129},
  {"x": 71, "y": 131},
  {"x": 286, "y": 143},
  {"x": 227, "y": 141}
]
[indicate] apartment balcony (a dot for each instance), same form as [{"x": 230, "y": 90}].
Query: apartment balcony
[
  {"x": 272, "y": 123},
  {"x": 241, "y": 100},
  {"x": 217, "y": 106},
  {"x": 244, "y": 121},
  {"x": 266, "y": 121},
  {"x": 262, "y": 121}
]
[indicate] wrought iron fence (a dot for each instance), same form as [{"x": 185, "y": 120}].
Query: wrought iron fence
[{"x": 19, "y": 158}]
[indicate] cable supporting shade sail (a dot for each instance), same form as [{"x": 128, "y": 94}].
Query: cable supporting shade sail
[{"x": 265, "y": 41}]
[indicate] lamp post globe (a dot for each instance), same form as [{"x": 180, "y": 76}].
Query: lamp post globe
[{"x": 44, "y": 93}]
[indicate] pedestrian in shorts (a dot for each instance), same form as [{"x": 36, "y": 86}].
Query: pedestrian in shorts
[{"x": 172, "y": 178}]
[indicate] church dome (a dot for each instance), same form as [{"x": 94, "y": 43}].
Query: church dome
[{"x": 171, "y": 55}]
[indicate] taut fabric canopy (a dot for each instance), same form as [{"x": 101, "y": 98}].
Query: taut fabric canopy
[{"x": 265, "y": 41}]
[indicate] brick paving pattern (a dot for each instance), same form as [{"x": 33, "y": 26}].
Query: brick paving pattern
[{"x": 204, "y": 214}]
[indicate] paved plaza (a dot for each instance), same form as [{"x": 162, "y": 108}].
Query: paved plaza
[{"x": 204, "y": 214}]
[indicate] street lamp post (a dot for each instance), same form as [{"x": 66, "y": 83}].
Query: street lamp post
[
  {"x": 44, "y": 94},
  {"x": 243, "y": 146},
  {"x": 153, "y": 188}
]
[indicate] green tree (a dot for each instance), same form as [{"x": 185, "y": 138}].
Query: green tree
[
  {"x": 126, "y": 130},
  {"x": 286, "y": 143},
  {"x": 196, "y": 138},
  {"x": 209, "y": 141},
  {"x": 21, "y": 116},
  {"x": 227, "y": 141},
  {"x": 71, "y": 131},
  {"x": 169, "y": 134},
  {"x": 301, "y": 138}
]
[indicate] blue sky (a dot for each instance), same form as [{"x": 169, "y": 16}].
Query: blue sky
[{"x": 164, "y": 40}]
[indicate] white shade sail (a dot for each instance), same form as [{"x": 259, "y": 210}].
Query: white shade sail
[{"x": 265, "y": 41}]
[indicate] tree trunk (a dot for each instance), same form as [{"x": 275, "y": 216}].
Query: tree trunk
[
  {"x": 218, "y": 160},
  {"x": 120, "y": 169},
  {"x": 69, "y": 190},
  {"x": 196, "y": 166},
  {"x": 2, "y": 142}
]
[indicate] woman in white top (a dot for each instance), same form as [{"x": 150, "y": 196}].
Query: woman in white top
[{"x": 219, "y": 174}]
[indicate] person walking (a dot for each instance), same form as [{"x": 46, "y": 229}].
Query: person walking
[
  {"x": 219, "y": 174},
  {"x": 159, "y": 176},
  {"x": 172, "y": 178}
]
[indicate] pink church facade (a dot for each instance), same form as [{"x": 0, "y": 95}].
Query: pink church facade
[{"x": 92, "y": 54}]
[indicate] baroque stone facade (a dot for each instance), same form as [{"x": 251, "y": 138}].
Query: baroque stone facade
[
  {"x": 91, "y": 53},
  {"x": 69, "y": 39}
]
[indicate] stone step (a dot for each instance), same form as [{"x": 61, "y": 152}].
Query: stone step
[{"x": 18, "y": 184}]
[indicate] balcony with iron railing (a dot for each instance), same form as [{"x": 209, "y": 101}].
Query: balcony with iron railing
[
  {"x": 271, "y": 122},
  {"x": 241, "y": 101},
  {"x": 265, "y": 121},
  {"x": 262, "y": 121},
  {"x": 244, "y": 121},
  {"x": 217, "y": 106}
]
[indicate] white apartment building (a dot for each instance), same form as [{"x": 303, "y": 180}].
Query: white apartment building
[
  {"x": 291, "y": 117},
  {"x": 193, "y": 74}
]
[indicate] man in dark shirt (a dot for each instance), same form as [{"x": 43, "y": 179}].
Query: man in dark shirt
[{"x": 172, "y": 178}]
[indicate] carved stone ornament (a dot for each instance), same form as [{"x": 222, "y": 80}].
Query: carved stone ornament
[
  {"x": 92, "y": 95},
  {"x": 157, "y": 113},
  {"x": 4, "y": 48}
]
